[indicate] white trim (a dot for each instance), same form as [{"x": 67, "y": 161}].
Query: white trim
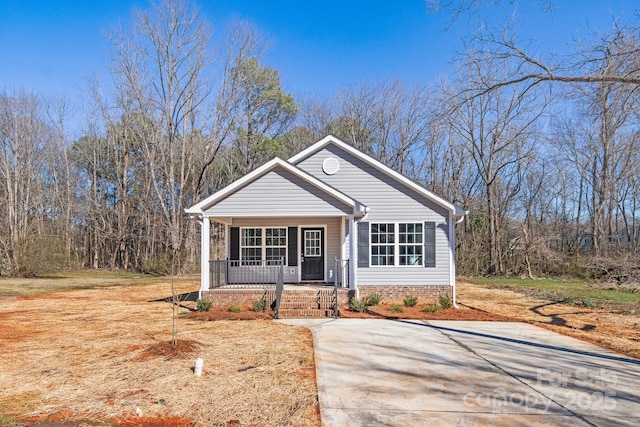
[
  {"x": 205, "y": 254},
  {"x": 200, "y": 207},
  {"x": 452, "y": 261},
  {"x": 263, "y": 242},
  {"x": 396, "y": 245},
  {"x": 343, "y": 238},
  {"x": 330, "y": 139}
]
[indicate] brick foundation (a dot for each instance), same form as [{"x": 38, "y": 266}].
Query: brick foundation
[
  {"x": 397, "y": 293},
  {"x": 227, "y": 297}
]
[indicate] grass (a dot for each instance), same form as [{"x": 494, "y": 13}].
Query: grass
[
  {"x": 567, "y": 291},
  {"x": 91, "y": 351},
  {"x": 72, "y": 280},
  {"x": 6, "y": 422}
]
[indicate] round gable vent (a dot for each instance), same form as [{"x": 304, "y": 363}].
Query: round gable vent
[{"x": 330, "y": 165}]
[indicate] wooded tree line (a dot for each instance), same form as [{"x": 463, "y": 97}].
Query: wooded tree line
[{"x": 543, "y": 154}]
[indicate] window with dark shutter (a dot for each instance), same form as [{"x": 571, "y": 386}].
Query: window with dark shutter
[
  {"x": 429, "y": 244},
  {"x": 363, "y": 244},
  {"x": 292, "y": 248}
]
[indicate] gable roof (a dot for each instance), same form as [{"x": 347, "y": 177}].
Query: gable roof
[
  {"x": 332, "y": 140},
  {"x": 200, "y": 207}
]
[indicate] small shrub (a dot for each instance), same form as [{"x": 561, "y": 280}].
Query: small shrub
[
  {"x": 235, "y": 308},
  {"x": 567, "y": 300},
  {"x": 430, "y": 308},
  {"x": 358, "y": 305},
  {"x": 259, "y": 305},
  {"x": 445, "y": 301},
  {"x": 373, "y": 299},
  {"x": 204, "y": 304},
  {"x": 410, "y": 301},
  {"x": 396, "y": 308},
  {"x": 588, "y": 303}
]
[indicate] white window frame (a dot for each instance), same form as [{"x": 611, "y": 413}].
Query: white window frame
[
  {"x": 395, "y": 245},
  {"x": 419, "y": 245},
  {"x": 263, "y": 246}
]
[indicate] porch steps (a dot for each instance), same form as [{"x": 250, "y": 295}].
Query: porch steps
[{"x": 297, "y": 304}]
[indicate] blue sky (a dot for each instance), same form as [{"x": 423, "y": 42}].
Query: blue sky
[{"x": 51, "y": 47}]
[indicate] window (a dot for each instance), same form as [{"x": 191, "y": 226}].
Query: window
[
  {"x": 251, "y": 246},
  {"x": 312, "y": 243},
  {"x": 275, "y": 245},
  {"x": 410, "y": 244},
  {"x": 382, "y": 244},
  {"x": 389, "y": 239},
  {"x": 254, "y": 242}
]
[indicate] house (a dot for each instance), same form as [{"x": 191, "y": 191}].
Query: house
[{"x": 331, "y": 214}]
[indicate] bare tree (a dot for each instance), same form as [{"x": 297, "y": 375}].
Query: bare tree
[
  {"x": 497, "y": 129},
  {"x": 23, "y": 138}
]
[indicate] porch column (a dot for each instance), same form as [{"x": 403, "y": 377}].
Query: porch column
[
  {"x": 205, "y": 239},
  {"x": 353, "y": 256},
  {"x": 343, "y": 237}
]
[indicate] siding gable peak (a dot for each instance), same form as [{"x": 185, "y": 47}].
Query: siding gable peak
[
  {"x": 455, "y": 210},
  {"x": 272, "y": 165}
]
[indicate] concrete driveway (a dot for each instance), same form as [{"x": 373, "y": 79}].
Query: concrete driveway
[{"x": 453, "y": 373}]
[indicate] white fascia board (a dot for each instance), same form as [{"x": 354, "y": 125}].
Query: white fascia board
[
  {"x": 314, "y": 147},
  {"x": 267, "y": 167},
  {"x": 455, "y": 210}
]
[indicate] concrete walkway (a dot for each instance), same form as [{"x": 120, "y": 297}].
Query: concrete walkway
[{"x": 453, "y": 373}]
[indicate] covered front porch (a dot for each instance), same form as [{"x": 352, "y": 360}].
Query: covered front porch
[{"x": 260, "y": 252}]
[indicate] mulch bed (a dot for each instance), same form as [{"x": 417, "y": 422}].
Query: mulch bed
[
  {"x": 381, "y": 312},
  {"x": 223, "y": 313},
  {"x": 416, "y": 313}
]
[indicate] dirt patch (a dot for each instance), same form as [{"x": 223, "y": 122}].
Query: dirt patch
[{"x": 99, "y": 357}]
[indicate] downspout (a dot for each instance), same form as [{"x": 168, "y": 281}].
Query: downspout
[{"x": 452, "y": 240}]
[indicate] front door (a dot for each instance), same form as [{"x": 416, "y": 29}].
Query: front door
[{"x": 312, "y": 254}]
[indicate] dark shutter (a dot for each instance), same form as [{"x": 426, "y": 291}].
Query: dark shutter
[
  {"x": 429, "y": 244},
  {"x": 234, "y": 247},
  {"x": 363, "y": 244},
  {"x": 292, "y": 246}
]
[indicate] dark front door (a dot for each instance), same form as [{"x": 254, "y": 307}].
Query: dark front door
[{"x": 312, "y": 254}]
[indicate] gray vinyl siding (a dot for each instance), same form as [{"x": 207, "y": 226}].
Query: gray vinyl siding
[
  {"x": 332, "y": 238},
  {"x": 388, "y": 201},
  {"x": 279, "y": 192}
]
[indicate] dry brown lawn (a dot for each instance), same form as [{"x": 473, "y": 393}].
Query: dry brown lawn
[
  {"x": 89, "y": 355},
  {"x": 607, "y": 328},
  {"x": 101, "y": 356}
]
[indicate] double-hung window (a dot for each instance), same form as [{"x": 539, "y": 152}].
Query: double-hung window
[
  {"x": 251, "y": 246},
  {"x": 263, "y": 244},
  {"x": 397, "y": 244},
  {"x": 410, "y": 244},
  {"x": 383, "y": 244},
  {"x": 275, "y": 245}
]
